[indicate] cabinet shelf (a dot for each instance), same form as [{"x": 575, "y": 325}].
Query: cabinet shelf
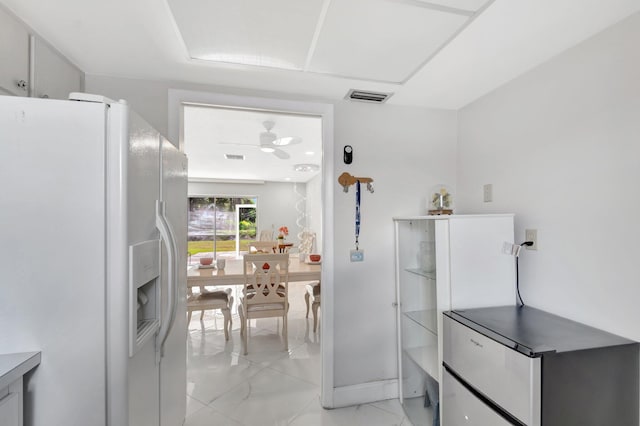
[
  {"x": 427, "y": 319},
  {"x": 425, "y": 357},
  {"x": 417, "y": 271}
]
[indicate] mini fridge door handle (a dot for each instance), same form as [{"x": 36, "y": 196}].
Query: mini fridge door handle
[{"x": 168, "y": 317}]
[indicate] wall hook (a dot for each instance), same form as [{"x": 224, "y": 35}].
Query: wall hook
[{"x": 346, "y": 180}]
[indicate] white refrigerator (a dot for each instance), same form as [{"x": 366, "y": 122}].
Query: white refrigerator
[{"x": 93, "y": 215}]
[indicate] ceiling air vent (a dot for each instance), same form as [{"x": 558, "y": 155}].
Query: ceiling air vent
[
  {"x": 234, "y": 157},
  {"x": 364, "y": 96}
]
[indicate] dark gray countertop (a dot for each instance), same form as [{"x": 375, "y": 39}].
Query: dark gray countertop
[
  {"x": 12, "y": 366},
  {"x": 535, "y": 332}
]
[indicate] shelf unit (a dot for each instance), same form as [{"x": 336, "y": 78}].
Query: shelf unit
[
  {"x": 427, "y": 274},
  {"x": 443, "y": 262},
  {"x": 425, "y": 318}
]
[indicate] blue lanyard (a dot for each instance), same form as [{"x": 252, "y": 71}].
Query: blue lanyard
[{"x": 357, "y": 212}]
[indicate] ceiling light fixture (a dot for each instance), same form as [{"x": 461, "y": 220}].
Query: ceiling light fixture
[
  {"x": 306, "y": 167},
  {"x": 309, "y": 152},
  {"x": 266, "y": 148}
]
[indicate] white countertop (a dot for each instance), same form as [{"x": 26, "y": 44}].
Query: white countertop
[{"x": 12, "y": 366}]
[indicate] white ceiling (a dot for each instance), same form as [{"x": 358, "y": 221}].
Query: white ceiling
[
  {"x": 159, "y": 39},
  {"x": 210, "y": 133},
  {"x": 344, "y": 38},
  {"x": 429, "y": 53}
]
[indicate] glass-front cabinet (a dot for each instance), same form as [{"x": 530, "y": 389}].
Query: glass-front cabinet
[
  {"x": 443, "y": 262},
  {"x": 416, "y": 275}
]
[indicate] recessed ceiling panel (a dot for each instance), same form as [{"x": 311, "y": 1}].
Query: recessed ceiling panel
[
  {"x": 274, "y": 33},
  {"x": 381, "y": 40}
]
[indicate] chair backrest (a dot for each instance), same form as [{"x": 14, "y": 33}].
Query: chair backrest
[
  {"x": 264, "y": 246},
  {"x": 266, "y": 235},
  {"x": 307, "y": 238},
  {"x": 263, "y": 274}
]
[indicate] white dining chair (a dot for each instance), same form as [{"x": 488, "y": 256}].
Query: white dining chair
[
  {"x": 266, "y": 235},
  {"x": 263, "y": 246},
  {"x": 312, "y": 297},
  {"x": 265, "y": 293},
  {"x": 206, "y": 300}
]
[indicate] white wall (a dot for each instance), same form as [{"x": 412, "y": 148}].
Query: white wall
[
  {"x": 147, "y": 97},
  {"x": 276, "y": 202},
  {"x": 406, "y": 151},
  {"x": 561, "y": 147},
  {"x": 150, "y": 98}
]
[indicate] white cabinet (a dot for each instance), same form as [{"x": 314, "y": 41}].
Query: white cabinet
[
  {"x": 12, "y": 369},
  {"x": 443, "y": 262},
  {"x": 31, "y": 67},
  {"x": 14, "y": 56},
  {"x": 11, "y": 404},
  {"x": 53, "y": 76}
]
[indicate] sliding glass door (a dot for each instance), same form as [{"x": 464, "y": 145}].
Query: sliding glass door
[{"x": 220, "y": 225}]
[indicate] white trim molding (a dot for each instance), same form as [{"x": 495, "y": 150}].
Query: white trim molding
[{"x": 175, "y": 114}]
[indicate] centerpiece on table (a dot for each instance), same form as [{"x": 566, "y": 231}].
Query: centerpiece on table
[{"x": 283, "y": 231}]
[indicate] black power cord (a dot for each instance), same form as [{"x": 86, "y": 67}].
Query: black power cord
[{"x": 528, "y": 244}]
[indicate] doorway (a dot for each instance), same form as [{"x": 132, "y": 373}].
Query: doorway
[{"x": 178, "y": 98}]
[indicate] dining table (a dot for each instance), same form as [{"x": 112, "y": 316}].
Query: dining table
[{"x": 233, "y": 273}]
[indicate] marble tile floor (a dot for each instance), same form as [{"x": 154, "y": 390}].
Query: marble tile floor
[{"x": 268, "y": 386}]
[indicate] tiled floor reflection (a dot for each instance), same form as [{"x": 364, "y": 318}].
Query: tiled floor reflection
[{"x": 268, "y": 386}]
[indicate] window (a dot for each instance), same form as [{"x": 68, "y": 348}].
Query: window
[{"x": 213, "y": 227}]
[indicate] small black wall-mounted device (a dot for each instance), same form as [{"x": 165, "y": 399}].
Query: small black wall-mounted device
[{"x": 348, "y": 154}]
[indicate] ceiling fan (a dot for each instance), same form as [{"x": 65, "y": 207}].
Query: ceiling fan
[{"x": 271, "y": 143}]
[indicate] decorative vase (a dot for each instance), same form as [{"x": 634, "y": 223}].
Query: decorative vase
[{"x": 440, "y": 200}]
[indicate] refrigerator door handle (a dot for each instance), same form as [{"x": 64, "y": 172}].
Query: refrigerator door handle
[{"x": 168, "y": 317}]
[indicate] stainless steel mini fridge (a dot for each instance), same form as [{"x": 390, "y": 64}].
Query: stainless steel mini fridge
[{"x": 516, "y": 365}]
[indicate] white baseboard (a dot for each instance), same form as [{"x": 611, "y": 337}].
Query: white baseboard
[{"x": 365, "y": 393}]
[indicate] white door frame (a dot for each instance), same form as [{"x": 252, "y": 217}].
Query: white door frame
[
  {"x": 238, "y": 207},
  {"x": 176, "y": 118}
]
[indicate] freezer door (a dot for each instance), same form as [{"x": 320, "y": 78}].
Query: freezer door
[
  {"x": 503, "y": 375},
  {"x": 143, "y": 191},
  {"x": 173, "y": 364},
  {"x": 461, "y": 408}
]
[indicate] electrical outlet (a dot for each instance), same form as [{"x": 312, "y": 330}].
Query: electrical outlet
[
  {"x": 357, "y": 255},
  {"x": 488, "y": 193},
  {"x": 531, "y": 235}
]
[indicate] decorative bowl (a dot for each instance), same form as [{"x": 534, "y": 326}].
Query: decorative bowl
[
  {"x": 206, "y": 261},
  {"x": 314, "y": 257}
]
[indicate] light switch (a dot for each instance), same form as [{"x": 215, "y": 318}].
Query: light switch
[{"x": 488, "y": 193}]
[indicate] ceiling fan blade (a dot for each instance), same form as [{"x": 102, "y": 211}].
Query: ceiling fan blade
[
  {"x": 281, "y": 154},
  {"x": 238, "y": 144},
  {"x": 287, "y": 140}
]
